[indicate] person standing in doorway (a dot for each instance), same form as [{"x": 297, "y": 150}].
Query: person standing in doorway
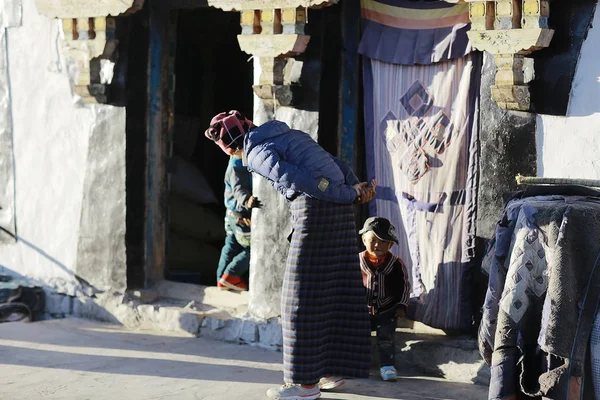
[
  {"x": 325, "y": 321},
  {"x": 239, "y": 201}
]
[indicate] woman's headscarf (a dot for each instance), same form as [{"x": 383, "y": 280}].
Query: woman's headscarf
[{"x": 227, "y": 130}]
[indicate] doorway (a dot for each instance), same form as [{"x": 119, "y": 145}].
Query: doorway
[{"x": 212, "y": 75}]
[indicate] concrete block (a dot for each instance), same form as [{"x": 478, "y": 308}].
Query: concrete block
[
  {"x": 169, "y": 319},
  {"x": 226, "y": 330},
  {"x": 88, "y": 307},
  {"x": 249, "y": 332},
  {"x": 270, "y": 334},
  {"x": 57, "y": 303},
  {"x": 176, "y": 320}
]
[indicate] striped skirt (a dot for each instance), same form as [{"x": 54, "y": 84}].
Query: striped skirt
[{"x": 326, "y": 328}]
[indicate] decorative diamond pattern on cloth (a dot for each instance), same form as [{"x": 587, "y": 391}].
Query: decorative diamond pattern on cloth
[
  {"x": 422, "y": 131},
  {"x": 527, "y": 269}
]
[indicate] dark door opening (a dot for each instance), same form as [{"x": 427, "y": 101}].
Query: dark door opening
[{"x": 212, "y": 75}]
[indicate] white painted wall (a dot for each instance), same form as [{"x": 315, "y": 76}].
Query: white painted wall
[
  {"x": 51, "y": 135},
  {"x": 569, "y": 147}
]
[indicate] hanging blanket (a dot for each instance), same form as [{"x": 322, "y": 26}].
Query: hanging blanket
[
  {"x": 543, "y": 295},
  {"x": 421, "y": 91}
]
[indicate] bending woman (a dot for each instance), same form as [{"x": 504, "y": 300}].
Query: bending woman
[{"x": 325, "y": 321}]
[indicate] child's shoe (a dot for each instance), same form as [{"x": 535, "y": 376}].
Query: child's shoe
[
  {"x": 233, "y": 283},
  {"x": 331, "y": 382},
  {"x": 291, "y": 391},
  {"x": 388, "y": 373}
]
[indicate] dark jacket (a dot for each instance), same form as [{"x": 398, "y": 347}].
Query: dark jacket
[
  {"x": 388, "y": 285},
  {"x": 296, "y": 164}
]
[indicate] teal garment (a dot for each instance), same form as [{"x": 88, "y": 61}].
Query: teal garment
[
  {"x": 238, "y": 186},
  {"x": 235, "y": 255}
]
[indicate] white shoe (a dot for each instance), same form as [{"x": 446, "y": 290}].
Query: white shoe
[
  {"x": 331, "y": 382},
  {"x": 291, "y": 391}
]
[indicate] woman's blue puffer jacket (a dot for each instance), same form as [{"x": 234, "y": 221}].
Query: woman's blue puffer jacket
[{"x": 296, "y": 164}]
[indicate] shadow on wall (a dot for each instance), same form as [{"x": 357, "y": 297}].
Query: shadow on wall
[
  {"x": 558, "y": 65},
  {"x": 583, "y": 100},
  {"x": 53, "y": 260}
]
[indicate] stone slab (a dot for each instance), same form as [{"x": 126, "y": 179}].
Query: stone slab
[
  {"x": 453, "y": 358},
  {"x": 206, "y": 295},
  {"x": 72, "y": 358}
]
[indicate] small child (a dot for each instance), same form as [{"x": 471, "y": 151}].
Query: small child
[
  {"x": 227, "y": 131},
  {"x": 239, "y": 201},
  {"x": 388, "y": 288}
]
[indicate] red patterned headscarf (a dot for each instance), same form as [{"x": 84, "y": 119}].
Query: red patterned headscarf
[{"x": 227, "y": 130}]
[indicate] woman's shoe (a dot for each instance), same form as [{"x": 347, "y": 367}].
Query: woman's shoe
[
  {"x": 330, "y": 382},
  {"x": 291, "y": 391}
]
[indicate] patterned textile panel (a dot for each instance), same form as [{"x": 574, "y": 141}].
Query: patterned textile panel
[{"x": 421, "y": 146}]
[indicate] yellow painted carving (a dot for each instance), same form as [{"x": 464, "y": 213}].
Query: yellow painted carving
[
  {"x": 477, "y": 9},
  {"x": 100, "y": 24},
  {"x": 301, "y": 15},
  {"x": 288, "y": 16},
  {"x": 531, "y": 7},
  {"x": 267, "y": 16},
  {"x": 247, "y": 17},
  {"x": 504, "y": 8},
  {"x": 67, "y": 25}
]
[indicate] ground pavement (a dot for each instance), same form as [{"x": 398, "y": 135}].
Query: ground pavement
[{"x": 80, "y": 359}]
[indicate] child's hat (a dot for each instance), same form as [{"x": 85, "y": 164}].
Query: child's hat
[
  {"x": 381, "y": 227},
  {"x": 227, "y": 130}
]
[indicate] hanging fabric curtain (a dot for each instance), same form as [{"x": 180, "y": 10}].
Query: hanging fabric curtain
[{"x": 421, "y": 82}]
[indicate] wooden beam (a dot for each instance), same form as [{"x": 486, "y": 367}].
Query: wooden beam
[
  {"x": 155, "y": 235},
  {"x": 350, "y": 81}
]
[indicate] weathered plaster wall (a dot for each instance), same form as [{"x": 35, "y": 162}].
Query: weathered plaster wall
[
  {"x": 271, "y": 225},
  {"x": 61, "y": 152},
  {"x": 569, "y": 147},
  {"x": 10, "y": 16},
  {"x": 507, "y": 148}
]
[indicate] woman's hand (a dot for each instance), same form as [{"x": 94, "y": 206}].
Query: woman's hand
[{"x": 365, "y": 191}]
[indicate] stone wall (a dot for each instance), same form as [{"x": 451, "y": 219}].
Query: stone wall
[
  {"x": 68, "y": 166},
  {"x": 507, "y": 148},
  {"x": 272, "y": 223},
  {"x": 569, "y": 147}
]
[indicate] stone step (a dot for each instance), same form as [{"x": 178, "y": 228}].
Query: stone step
[
  {"x": 455, "y": 358},
  {"x": 222, "y": 316}
]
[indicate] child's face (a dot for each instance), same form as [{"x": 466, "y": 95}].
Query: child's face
[{"x": 375, "y": 246}]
